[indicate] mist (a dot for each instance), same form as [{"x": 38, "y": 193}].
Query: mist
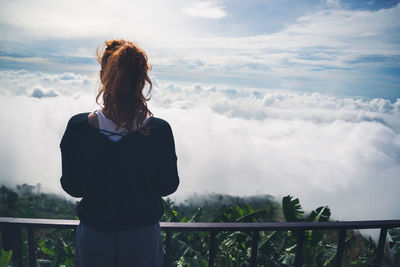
[{"x": 323, "y": 149}]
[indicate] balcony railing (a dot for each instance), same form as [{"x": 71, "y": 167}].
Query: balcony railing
[{"x": 16, "y": 224}]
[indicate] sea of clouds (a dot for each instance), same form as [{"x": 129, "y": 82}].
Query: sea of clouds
[{"x": 326, "y": 150}]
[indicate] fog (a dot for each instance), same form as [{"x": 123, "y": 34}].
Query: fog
[{"x": 323, "y": 149}]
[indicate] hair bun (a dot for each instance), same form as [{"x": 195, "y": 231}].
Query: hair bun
[{"x": 112, "y": 44}]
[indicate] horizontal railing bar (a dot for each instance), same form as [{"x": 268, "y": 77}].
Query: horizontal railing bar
[
  {"x": 209, "y": 226},
  {"x": 40, "y": 223},
  {"x": 198, "y": 226}
]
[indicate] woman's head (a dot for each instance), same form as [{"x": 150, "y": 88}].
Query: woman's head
[{"x": 123, "y": 76}]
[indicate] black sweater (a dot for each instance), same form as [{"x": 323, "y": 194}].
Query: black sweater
[{"x": 121, "y": 183}]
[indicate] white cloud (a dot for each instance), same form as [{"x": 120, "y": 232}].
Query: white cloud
[
  {"x": 23, "y": 82},
  {"x": 334, "y": 49},
  {"x": 339, "y": 164},
  {"x": 332, "y": 35},
  {"x": 31, "y": 131},
  {"x": 323, "y": 149},
  {"x": 260, "y": 104},
  {"x": 209, "y": 9},
  {"x": 40, "y": 92}
]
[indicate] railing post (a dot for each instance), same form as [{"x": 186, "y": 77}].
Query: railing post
[
  {"x": 75, "y": 230},
  {"x": 298, "y": 260},
  {"x": 254, "y": 248},
  {"x": 211, "y": 255},
  {"x": 17, "y": 248},
  {"x": 31, "y": 246},
  {"x": 340, "y": 248},
  {"x": 167, "y": 260},
  {"x": 381, "y": 247}
]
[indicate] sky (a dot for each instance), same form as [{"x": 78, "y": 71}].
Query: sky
[{"x": 264, "y": 97}]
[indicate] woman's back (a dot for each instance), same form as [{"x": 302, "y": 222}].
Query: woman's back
[{"x": 121, "y": 181}]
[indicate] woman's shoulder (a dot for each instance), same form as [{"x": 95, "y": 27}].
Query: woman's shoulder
[
  {"x": 158, "y": 123},
  {"x": 74, "y": 128},
  {"x": 78, "y": 119},
  {"x": 160, "y": 127}
]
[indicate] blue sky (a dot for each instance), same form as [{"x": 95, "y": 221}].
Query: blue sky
[
  {"x": 344, "y": 48},
  {"x": 264, "y": 97}
]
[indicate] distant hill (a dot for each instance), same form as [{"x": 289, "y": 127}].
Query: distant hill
[
  {"x": 28, "y": 201},
  {"x": 215, "y": 205}
]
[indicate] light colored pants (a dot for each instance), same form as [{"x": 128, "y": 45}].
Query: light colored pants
[{"x": 140, "y": 247}]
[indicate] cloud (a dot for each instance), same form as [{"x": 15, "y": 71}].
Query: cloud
[
  {"x": 210, "y": 9},
  {"x": 259, "y": 104},
  {"x": 324, "y": 149},
  {"x": 333, "y": 50},
  {"x": 31, "y": 131},
  {"x": 41, "y": 92},
  {"x": 37, "y": 83},
  {"x": 339, "y": 164}
]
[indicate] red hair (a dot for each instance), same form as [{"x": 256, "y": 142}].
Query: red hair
[{"x": 123, "y": 76}]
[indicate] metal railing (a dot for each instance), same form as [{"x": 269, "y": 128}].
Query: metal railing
[{"x": 16, "y": 224}]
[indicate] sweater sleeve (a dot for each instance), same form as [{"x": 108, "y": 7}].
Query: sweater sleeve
[
  {"x": 168, "y": 178},
  {"x": 72, "y": 163}
]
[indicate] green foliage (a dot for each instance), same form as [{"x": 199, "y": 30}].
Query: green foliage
[
  {"x": 29, "y": 202},
  {"x": 8, "y": 202},
  {"x": 233, "y": 248},
  {"x": 5, "y": 256},
  {"x": 316, "y": 251},
  {"x": 214, "y": 205},
  {"x": 56, "y": 248},
  {"x": 292, "y": 209}
]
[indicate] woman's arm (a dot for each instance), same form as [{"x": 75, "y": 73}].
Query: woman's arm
[
  {"x": 168, "y": 179},
  {"x": 72, "y": 163}
]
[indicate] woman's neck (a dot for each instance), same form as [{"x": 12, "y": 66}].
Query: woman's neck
[{"x": 106, "y": 113}]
